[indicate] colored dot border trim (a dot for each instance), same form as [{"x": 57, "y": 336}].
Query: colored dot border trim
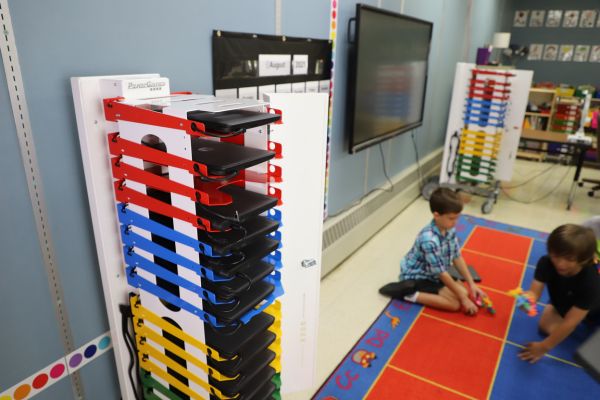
[
  {"x": 333, "y": 13},
  {"x": 59, "y": 369}
]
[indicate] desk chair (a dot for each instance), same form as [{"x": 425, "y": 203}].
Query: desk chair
[{"x": 594, "y": 182}]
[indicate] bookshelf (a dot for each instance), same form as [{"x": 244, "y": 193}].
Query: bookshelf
[{"x": 540, "y": 107}]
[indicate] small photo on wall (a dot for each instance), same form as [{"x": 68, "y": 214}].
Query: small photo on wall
[
  {"x": 581, "y": 53},
  {"x": 550, "y": 52},
  {"x": 537, "y": 18},
  {"x": 571, "y": 19},
  {"x": 535, "y": 52},
  {"x": 520, "y": 20},
  {"x": 553, "y": 19},
  {"x": 595, "y": 54},
  {"x": 566, "y": 52},
  {"x": 588, "y": 19}
]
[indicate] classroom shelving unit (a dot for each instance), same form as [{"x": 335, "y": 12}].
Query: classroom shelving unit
[{"x": 540, "y": 108}]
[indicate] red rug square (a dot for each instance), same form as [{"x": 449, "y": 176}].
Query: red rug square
[
  {"x": 495, "y": 273},
  {"x": 500, "y": 244},
  {"x": 395, "y": 384},
  {"x": 454, "y": 357},
  {"x": 485, "y": 322}
]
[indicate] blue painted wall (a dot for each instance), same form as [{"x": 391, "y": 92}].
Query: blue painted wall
[
  {"x": 29, "y": 338},
  {"x": 572, "y": 73},
  {"x": 60, "y": 39},
  {"x": 353, "y": 176},
  {"x": 57, "y": 40}
]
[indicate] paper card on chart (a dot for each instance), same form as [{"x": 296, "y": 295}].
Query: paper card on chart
[{"x": 274, "y": 64}]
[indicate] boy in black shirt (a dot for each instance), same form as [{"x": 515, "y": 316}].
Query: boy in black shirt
[{"x": 573, "y": 284}]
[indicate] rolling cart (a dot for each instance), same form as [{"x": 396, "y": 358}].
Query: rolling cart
[{"x": 484, "y": 126}]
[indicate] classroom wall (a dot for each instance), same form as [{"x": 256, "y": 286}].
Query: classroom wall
[
  {"x": 57, "y": 40},
  {"x": 487, "y": 17},
  {"x": 572, "y": 73},
  {"x": 456, "y": 34},
  {"x": 61, "y": 39}
]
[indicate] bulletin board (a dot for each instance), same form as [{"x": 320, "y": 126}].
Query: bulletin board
[{"x": 245, "y": 65}]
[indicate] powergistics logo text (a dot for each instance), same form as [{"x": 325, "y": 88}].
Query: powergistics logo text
[{"x": 151, "y": 85}]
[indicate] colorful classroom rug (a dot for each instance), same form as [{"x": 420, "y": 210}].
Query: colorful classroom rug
[{"x": 414, "y": 353}]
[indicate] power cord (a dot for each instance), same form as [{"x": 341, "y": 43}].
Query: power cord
[
  {"x": 359, "y": 201},
  {"x": 531, "y": 178},
  {"x": 391, "y": 189},
  {"x": 414, "y": 140},
  {"x": 539, "y": 198},
  {"x": 126, "y": 318}
]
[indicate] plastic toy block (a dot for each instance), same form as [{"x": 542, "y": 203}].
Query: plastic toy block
[
  {"x": 524, "y": 301},
  {"x": 486, "y": 303}
]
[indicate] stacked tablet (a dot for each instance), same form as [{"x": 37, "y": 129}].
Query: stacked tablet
[{"x": 202, "y": 254}]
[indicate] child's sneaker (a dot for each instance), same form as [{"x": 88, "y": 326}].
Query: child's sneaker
[{"x": 398, "y": 290}]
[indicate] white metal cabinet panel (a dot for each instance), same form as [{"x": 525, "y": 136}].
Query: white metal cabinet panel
[{"x": 303, "y": 136}]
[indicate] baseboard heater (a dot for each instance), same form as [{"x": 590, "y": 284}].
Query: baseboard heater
[{"x": 347, "y": 232}]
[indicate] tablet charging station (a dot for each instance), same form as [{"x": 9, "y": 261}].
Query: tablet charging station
[{"x": 207, "y": 216}]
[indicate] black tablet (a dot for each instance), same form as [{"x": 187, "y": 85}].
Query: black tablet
[
  {"x": 239, "y": 236},
  {"x": 232, "y": 121},
  {"x": 230, "y": 341},
  {"x": 245, "y": 205},
  {"x": 242, "y": 281},
  {"x": 223, "y": 158},
  {"x": 456, "y": 275}
]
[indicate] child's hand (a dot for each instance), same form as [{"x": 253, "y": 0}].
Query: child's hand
[
  {"x": 468, "y": 306},
  {"x": 476, "y": 292},
  {"x": 530, "y": 294},
  {"x": 533, "y": 352}
]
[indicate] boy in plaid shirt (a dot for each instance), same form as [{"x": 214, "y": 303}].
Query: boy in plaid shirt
[{"x": 423, "y": 271}]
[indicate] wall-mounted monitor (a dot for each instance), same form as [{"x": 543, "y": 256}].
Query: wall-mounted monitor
[{"x": 387, "y": 75}]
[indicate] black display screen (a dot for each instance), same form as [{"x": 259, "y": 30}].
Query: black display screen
[{"x": 387, "y": 77}]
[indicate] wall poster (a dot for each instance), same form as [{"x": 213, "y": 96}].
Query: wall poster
[
  {"x": 581, "y": 53},
  {"x": 588, "y": 19},
  {"x": 550, "y": 52},
  {"x": 553, "y": 19},
  {"x": 537, "y": 18},
  {"x": 571, "y": 19},
  {"x": 520, "y": 19}
]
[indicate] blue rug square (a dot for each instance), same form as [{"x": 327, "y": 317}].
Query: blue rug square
[{"x": 518, "y": 379}]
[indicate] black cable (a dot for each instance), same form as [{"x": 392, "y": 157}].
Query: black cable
[
  {"x": 452, "y": 155},
  {"x": 219, "y": 240},
  {"x": 531, "y": 178},
  {"x": 391, "y": 189},
  {"x": 127, "y": 316},
  {"x": 247, "y": 278},
  {"x": 412, "y": 135},
  {"x": 357, "y": 203},
  {"x": 542, "y": 197}
]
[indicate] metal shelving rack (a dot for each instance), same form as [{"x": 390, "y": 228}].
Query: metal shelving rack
[{"x": 484, "y": 127}]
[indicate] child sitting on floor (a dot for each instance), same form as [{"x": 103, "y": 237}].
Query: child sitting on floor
[
  {"x": 573, "y": 284},
  {"x": 423, "y": 271}
]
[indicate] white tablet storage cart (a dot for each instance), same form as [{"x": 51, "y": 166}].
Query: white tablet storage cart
[{"x": 207, "y": 217}]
